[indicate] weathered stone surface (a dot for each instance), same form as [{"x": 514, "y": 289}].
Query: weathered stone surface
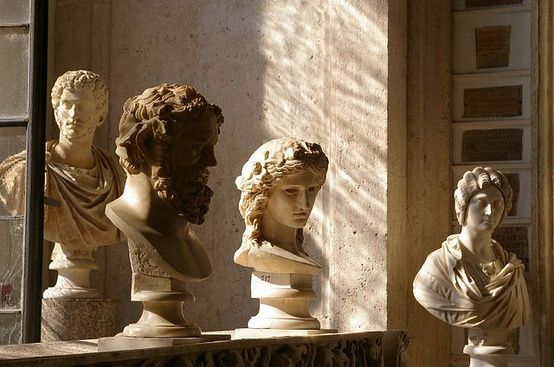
[
  {"x": 121, "y": 342},
  {"x": 366, "y": 349},
  {"x": 72, "y": 319}
]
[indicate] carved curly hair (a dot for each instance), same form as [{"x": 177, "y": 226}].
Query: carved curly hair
[
  {"x": 147, "y": 119},
  {"x": 476, "y": 180},
  {"x": 82, "y": 80},
  {"x": 268, "y": 164}
]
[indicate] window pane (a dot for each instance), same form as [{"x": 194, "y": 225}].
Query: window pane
[
  {"x": 10, "y": 328},
  {"x": 14, "y": 63},
  {"x": 12, "y": 204},
  {"x": 12, "y": 171},
  {"x": 14, "y": 11},
  {"x": 11, "y": 263}
]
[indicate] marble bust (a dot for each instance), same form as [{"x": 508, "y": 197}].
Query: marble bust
[
  {"x": 471, "y": 281},
  {"x": 165, "y": 144},
  {"x": 279, "y": 185},
  {"x": 81, "y": 177}
]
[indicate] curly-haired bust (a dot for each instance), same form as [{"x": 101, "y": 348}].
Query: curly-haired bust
[
  {"x": 471, "y": 281},
  {"x": 81, "y": 177},
  {"x": 166, "y": 143},
  {"x": 279, "y": 185}
]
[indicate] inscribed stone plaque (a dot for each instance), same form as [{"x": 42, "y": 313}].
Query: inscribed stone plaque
[
  {"x": 482, "y": 3},
  {"x": 492, "y": 145},
  {"x": 505, "y": 101},
  {"x": 513, "y": 179},
  {"x": 514, "y": 239},
  {"x": 492, "y": 46}
]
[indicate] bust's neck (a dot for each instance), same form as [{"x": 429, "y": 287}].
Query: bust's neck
[
  {"x": 278, "y": 234},
  {"x": 478, "y": 243},
  {"x": 145, "y": 206},
  {"x": 74, "y": 152}
]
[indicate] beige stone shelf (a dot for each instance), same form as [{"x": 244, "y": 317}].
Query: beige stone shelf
[{"x": 367, "y": 348}]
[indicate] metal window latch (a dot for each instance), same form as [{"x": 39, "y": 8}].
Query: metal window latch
[{"x": 52, "y": 202}]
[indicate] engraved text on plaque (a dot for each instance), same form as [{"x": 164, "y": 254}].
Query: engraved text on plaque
[
  {"x": 492, "y": 46},
  {"x": 494, "y": 102},
  {"x": 492, "y": 145}
]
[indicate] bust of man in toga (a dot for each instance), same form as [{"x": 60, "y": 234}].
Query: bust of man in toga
[
  {"x": 279, "y": 185},
  {"x": 81, "y": 177},
  {"x": 471, "y": 281}
]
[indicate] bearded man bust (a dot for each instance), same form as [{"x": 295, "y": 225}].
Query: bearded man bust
[
  {"x": 165, "y": 144},
  {"x": 81, "y": 177}
]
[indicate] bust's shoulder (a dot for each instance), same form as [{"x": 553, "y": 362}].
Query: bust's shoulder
[{"x": 441, "y": 260}]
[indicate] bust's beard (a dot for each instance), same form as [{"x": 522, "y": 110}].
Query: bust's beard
[{"x": 187, "y": 192}]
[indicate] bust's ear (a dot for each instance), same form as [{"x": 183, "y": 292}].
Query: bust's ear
[{"x": 153, "y": 131}]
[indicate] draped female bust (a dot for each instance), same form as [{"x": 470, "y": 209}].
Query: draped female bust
[
  {"x": 471, "y": 281},
  {"x": 279, "y": 184}
]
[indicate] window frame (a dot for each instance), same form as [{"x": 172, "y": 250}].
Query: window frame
[{"x": 34, "y": 192}]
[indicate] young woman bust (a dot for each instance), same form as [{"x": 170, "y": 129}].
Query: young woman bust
[{"x": 471, "y": 281}]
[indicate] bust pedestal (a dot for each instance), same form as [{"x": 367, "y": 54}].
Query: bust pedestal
[
  {"x": 162, "y": 314},
  {"x": 488, "y": 348},
  {"x": 73, "y": 267},
  {"x": 284, "y": 306},
  {"x": 74, "y": 319}
]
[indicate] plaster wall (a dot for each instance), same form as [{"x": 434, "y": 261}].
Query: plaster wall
[{"x": 317, "y": 70}]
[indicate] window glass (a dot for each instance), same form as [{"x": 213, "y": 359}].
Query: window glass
[
  {"x": 10, "y": 328},
  {"x": 14, "y": 11},
  {"x": 14, "y": 64},
  {"x": 12, "y": 173}
]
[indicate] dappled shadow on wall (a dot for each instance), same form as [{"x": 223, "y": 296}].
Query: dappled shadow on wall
[{"x": 325, "y": 81}]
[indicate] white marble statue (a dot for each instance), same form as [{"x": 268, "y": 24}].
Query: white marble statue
[
  {"x": 166, "y": 144},
  {"x": 81, "y": 177},
  {"x": 471, "y": 281},
  {"x": 279, "y": 185}
]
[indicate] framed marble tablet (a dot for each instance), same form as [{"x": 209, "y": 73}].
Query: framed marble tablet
[
  {"x": 491, "y": 141},
  {"x": 492, "y": 40},
  {"x": 492, "y": 96}
]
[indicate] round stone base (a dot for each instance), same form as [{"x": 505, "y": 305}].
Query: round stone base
[
  {"x": 72, "y": 319},
  {"x": 287, "y": 323},
  {"x": 161, "y": 331}
]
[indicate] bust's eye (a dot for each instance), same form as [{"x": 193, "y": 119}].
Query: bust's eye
[
  {"x": 481, "y": 203},
  {"x": 291, "y": 190},
  {"x": 497, "y": 203},
  {"x": 312, "y": 189}
]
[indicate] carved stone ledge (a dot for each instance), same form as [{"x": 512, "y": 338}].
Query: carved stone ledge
[{"x": 366, "y": 349}]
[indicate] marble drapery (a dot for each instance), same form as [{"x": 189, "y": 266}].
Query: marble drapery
[
  {"x": 79, "y": 221},
  {"x": 463, "y": 293}
]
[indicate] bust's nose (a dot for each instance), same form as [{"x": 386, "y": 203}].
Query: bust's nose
[
  {"x": 488, "y": 209},
  {"x": 303, "y": 200},
  {"x": 72, "y": 111}
]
